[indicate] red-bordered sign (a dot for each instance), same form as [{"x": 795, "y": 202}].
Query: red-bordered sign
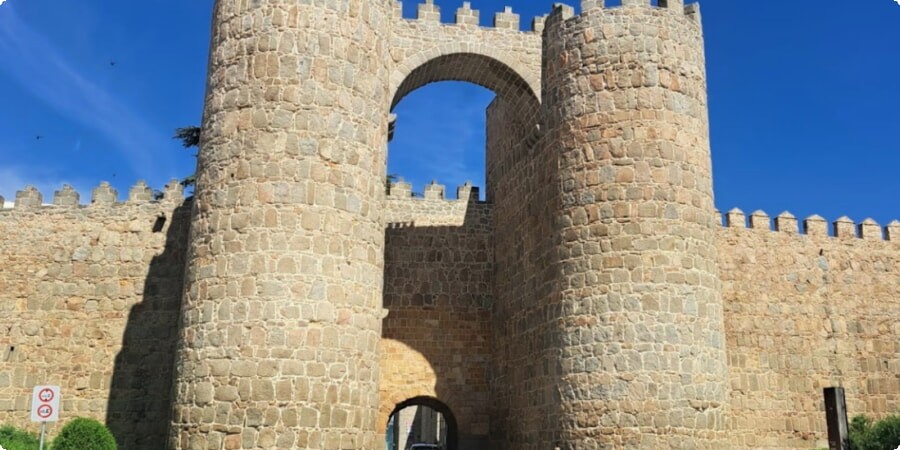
[
  {"x": 45, "y": 411},
  {"x": 45, "y": 404},
  {"x": 46, "y": 395}
]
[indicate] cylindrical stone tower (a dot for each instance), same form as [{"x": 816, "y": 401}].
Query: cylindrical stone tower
[
  {"x": 282, "y": 307},
  {"x": 642, "y": 355}
]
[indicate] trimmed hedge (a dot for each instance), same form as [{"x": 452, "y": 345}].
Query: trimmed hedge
[
  {"x": 12, "y": 438},
  {"x": 881, "y": 435},
  {"x": 84, "y": 434}
]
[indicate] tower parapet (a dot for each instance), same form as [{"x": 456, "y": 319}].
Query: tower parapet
[{"x": 692, "y": 9}]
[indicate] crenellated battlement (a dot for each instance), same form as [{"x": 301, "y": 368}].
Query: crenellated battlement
[
  {"x": 815, "y": 225},
  {"x": 506, "y": 20},
  {"x": 103, "y": 196},
  {"x": 402, "y": 190},
  {"x": 430, "y": 13},
  {"x": 433, "y": 208},
  {"x": 691, "y": 10}
]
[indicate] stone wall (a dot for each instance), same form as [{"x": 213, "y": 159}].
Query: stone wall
[
  {"x": 804, "y": 312},
  {"x": 522, "y": 181},
  {"x": 89, "y": 301},
  {"x": 438, "y": 291}
]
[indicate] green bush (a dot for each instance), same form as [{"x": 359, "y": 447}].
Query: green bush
[
  {"x": 84, "y": 434},
  {"x": 12, "y": 438},
  {"x": 881, "y": 435}
]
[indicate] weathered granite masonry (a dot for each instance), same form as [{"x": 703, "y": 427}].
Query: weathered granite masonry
[
  {"x": 89, "y": 300},
  {"x": 594, "y": 301},
  {"x": 804, "y": 312},
  {"x": 639, "y": 313},
  {"x": 438, "y": 292},
  {"x": 281, "y": 318}
]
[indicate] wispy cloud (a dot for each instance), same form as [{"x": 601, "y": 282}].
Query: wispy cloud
[{"x": 41, "y": 68}]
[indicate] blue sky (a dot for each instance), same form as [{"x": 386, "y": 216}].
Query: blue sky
[{"x": 803, "y": 101}]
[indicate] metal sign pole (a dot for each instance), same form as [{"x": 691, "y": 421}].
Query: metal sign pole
[{"x": 43, "y": 426}]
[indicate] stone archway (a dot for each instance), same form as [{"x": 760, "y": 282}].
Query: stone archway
[
  {"x": 436, "y": 338},
  {"x": 515, "y": 84},
  {"x": 452, "y": 429},
  {"x": 490, "y": 72}
]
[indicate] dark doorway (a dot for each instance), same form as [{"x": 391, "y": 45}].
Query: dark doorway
[{"x": 421, "y": 423}]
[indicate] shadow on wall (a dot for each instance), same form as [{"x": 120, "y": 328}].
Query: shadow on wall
[
  {"x": 140, "y": 394},
  {"x": 436, "y": 340}
]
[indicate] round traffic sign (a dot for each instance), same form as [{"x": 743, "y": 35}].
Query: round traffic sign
[
  {"x": 44, "y": 411},
  {"x": 46, "y": 395}
]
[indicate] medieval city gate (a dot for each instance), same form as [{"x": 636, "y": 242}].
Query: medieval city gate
[
  {"x": 290, "y": 217},
  {"x": 438, "y": 286},
  {"x": 597, "y": 289}
]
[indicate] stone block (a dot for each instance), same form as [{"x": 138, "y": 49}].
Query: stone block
[
  {"x": 759, "y": 220},
  {"x": 786, "y": 223},
  {"x": 29, "y": 197},
  {"x": 587, "y": 5},
  {"x": 428, "y": 12},
  {"x": 844, "y": 228},
  {"x": 66, "y": 197},
  {"x": 506, "y": 20},
  {"x": 466, "y": 15},
  {"x": 815, "y": 226},
  {"x": 735, "y": 219},
  {"x": 140, "y": 193},
  {"x": 870, "y": 230},
  {"x": 104, "y": 195}
]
